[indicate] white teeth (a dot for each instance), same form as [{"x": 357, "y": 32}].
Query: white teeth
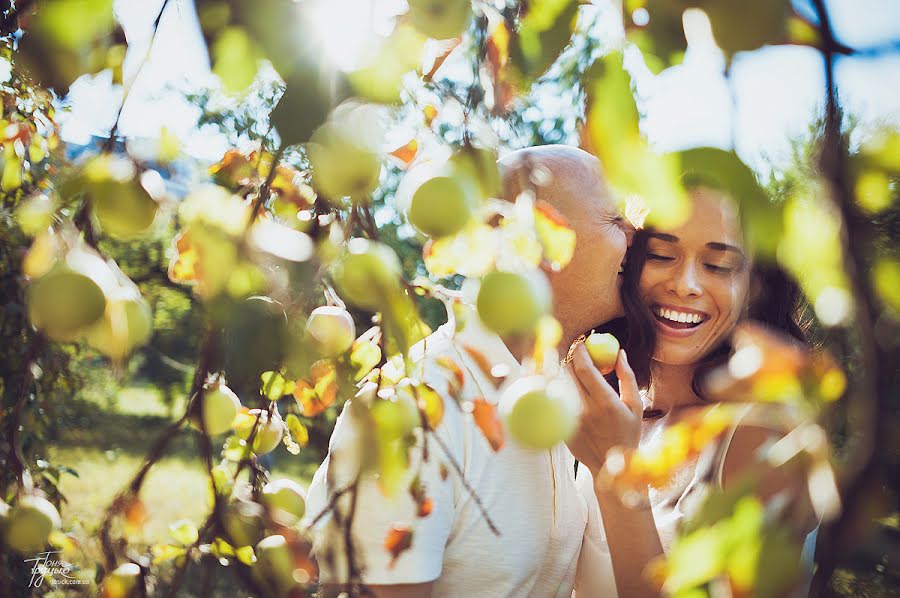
[{"x": 677, "y": 316}]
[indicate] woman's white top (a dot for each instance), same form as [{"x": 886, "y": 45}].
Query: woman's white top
[
  {"x": 595, "y": 572},
  {"x": 530, "y": 496}
]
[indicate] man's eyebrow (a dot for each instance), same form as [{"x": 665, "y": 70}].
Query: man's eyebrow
[{"x": 725, "y": 247}]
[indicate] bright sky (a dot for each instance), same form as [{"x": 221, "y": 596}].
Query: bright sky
[{"x": 774, "y": 92}]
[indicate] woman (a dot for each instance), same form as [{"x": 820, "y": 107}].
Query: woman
[{"x": 685, "y": 291}]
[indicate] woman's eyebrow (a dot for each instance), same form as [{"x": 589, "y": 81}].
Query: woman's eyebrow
[
  {"x": 663, "y": 237},
  {"x": 725, "y": 247}
]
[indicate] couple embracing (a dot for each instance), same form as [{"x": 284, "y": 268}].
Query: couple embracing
[{"x": 554, "y": 527}]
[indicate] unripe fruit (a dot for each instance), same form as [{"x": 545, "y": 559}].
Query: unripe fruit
[
  {"x": 440, "y": 19},
  {"x": 510, "y": 303},
  {"x": 539, "y": 413},
  {"x": 122, "y": 582},
  {"x": 604, "y": 350},
  {"x": 243, "y": 521},
  {"x": 330, "y": 330},
  {"x": 286, "y": 498},
  {"x": 219, "y": 406},
  {"x": 268, "y": 431},
  {"x": 275, "y": 565},
  {"x": 118, "y": 200},
  {"x": 396, "y": 417},
  {"x": 368, "y": 274},
  {"x": 29, "y": 524},
  {"x": 126, "y": 324},
  {"x": 441, "y": 206},
  {"x": 345, "y": 153},
  {"x": 71, "y": 296}
]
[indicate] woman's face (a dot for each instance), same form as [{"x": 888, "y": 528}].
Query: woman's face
[{"x": 695, "y": 279}]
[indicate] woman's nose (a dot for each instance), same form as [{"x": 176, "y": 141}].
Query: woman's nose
[{"x": 685, "y": 282}]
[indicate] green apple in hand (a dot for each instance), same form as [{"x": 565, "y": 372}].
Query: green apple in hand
[{"x": 604, "y": 350}]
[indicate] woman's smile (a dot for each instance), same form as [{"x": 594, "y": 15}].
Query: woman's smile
[{"x": 678, "y": 321}]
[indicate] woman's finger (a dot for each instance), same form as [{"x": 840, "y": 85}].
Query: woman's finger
[{"x": 628, "y": 387}]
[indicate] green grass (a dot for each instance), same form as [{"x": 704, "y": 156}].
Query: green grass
[{"x": 107, "y": 443}]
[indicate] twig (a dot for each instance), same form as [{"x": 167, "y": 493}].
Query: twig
[
  {"x": 16, "y": 458},
  {"x": 465, "y": 483},
  {"x": 330, "y": 506},
  {"x": 111, "y": 139},
  {"x": 265, "y": 190},
  {"x": 21, "y": 6}
]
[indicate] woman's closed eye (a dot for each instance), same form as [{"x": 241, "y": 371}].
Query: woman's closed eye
[
  {"x": 719, "y": 269},
  {"x": 657, "y": 257}
]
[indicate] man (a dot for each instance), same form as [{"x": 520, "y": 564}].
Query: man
[{"x": 531, "y": 544}]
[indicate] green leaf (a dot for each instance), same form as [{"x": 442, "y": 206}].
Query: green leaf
[
  {"x": 723, "y": 170},
  {"x": 364, "y": 356},
  {"x": 298, "y": 431},
  {"x": 886, "y": 277},
  {"x": 274, "y": 386},
  {"x": 614, "y": 136},
  {"x": 245, "y": 555},
  {"x": 12, "y": 169},
  {"x": 235, "y": 59},
  {"x": 166, "y": 552},
  {"x": 544, "y": 31},
  {"x": 662, "y": 39},
  {"x": 381, "y": 78},
  {"x": 184, "y": 532},
  {"x": 740, "y": 26},
  {"x": 65, "y": 39}
]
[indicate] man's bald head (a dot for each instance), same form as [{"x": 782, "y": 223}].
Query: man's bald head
[
  {"x": 586, "y": 291},
  {"x": 559, "y": 175}
]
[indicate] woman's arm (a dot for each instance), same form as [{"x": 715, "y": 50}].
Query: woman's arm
[
  {"x": 742, "y": 458},
  {"x": 609, "y": 419}
]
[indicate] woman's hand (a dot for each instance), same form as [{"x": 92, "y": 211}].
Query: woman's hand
[{"x": 607, "y": 419}]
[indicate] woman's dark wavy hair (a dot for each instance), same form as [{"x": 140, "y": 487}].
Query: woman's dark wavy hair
[{"x": 775, "y": 300}]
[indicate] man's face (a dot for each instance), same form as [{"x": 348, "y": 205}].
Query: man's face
[{"x": 586, "y": 291}]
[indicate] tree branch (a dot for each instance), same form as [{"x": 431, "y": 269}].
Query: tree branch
[{"x": 871, "y": 388}]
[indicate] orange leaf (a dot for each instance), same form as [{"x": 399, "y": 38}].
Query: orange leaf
[
  {"x": 488, "y": 422},
  {"x": 484, "y": 364},
  {"x": 135, "y": 514},
  {"x": 430, "y": 112},
  {"x": 459, "y": 377},
  {"x": 398, "y": 540},
  {"x": 316, "y": 395},
  {"x": 431, "y": 403},
  {"x": 555, "y": 235},
  {"x": 425, "y": 507},
  {"x": 234, "y": 169},
  {"x": 185, "y": 263},
  {"x": 435, "y": 55},
  {"x": 406, "y": 153},
  {"x": 289, "y": 185}
]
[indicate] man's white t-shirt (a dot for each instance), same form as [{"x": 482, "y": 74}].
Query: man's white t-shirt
[{"x": 530, "y": 496}]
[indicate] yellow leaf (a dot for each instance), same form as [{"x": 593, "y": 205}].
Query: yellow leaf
[{"x": 555, "y": 234}]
